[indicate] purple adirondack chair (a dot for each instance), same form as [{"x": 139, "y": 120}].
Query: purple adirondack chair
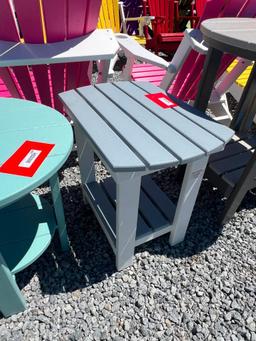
[
  {"x": 132, "y": 9},
  {"x": 45, "y": 22}
]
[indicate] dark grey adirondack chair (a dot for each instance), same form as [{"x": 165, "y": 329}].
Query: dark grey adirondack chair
[{"x": 234, "y": 170}]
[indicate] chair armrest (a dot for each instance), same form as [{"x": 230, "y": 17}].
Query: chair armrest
[
  {"x": 132, "y": 48},
  {"x": 145, "y": 19},
  {"x": 100, "y": 44},
  {"x": 142, "y": 21},
  {"x": 195, "y": 40}
]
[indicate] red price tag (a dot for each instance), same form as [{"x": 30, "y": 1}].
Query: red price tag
[
  {"x": 27, "y": 159},
  {"x": 162, "y": 100}
]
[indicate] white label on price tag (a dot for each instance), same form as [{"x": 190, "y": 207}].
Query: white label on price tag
[
  {"x": 30, "y": 158},
  {"x": 165, "y": 101}
]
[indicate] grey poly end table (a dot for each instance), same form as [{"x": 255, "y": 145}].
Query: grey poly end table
[
  {"x": 133, "y": 129},
  {"x": 35, "y": 141}
]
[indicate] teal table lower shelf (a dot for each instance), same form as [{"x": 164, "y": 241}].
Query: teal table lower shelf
[{"x": 26, "y": 230}]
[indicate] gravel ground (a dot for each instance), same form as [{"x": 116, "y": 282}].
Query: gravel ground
[{"x": 202, "y": 289}]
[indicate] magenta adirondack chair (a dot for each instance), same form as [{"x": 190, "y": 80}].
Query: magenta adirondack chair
[
  {"x": 187, "y": 90},
  {"x": 186, "y": 81},
  {"x": 39, "y": 22}
]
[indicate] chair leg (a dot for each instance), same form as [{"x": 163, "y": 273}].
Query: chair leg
[
  {"x": 11, "y": 299},
  {"x": 59, "y": 212},
  {"x": 189, "y": 190},
  {"x": 246, "y": 182}
]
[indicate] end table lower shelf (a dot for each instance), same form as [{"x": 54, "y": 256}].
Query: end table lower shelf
[{"x": 156, "y": 210}]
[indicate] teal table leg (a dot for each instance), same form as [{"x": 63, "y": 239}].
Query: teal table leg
[
  {"x": 11, "y": 299},
  {"x": 59, "y": 212}
]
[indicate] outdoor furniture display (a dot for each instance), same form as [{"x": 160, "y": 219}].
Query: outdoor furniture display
[
  {"x": 134, "y": 9},
  {"x": 112, "y": 17},
  {"x": 35, "y": 142},
  {"x": 181, "y": 76},
  {"x": 164, "y": 38},
  {"x": 135, "y": 129},
  {"x": 48, "y": 47},
  {"x": 232, "y": 170}
]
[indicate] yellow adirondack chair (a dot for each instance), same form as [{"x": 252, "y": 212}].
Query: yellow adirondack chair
[
  {"x": 238, "y": 86},
  {"x": 112, "y": 16}
]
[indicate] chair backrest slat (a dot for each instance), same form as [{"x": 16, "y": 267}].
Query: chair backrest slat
[
  {"x": 164, "y": 9},
  {"x": 8, "y": 26},
  {"x": 92, "y": 15},
  {"x": 30, "y": 20},
  {"x": 109, "y": 15}
]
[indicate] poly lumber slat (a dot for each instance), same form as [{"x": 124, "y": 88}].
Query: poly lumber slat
[
  {"x": 197, "y": 135},
  {"x": 235, "y": 148},
  {"x": 102, "y": 205},
  {"x": 158, "y": 197},
  {"x": 29, "y": 234},
  {"x": 9, "y": 82},
  {"x": 23, "y": 77},
  {"x": 92, "y": 15},
  {"x": 29, "y": 15},
  {"x": 230, "y": 163},
  {"x": 232, "y": 178},
  {"x": 41, "y": 75},
  {"x": 145, "y": 146},
  {"x": 113, "y": 149},
  {"x": 110, "y": 187},
  {"x": 216, "y": 129},
  {"x": 7, "y": 19},
  {"x": 157, "y": 73},
  {"x": 172, "y": 140},
  {"x": 75, "y": 27}
]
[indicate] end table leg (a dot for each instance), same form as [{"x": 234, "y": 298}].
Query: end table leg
[
  {"x": 128, "y": 195},
  {"x": 59, "y": 212},
  {"x": 11, "y": 299},
  {"x": 189, "y": 190},
  {"x": 86, "y": 159}
]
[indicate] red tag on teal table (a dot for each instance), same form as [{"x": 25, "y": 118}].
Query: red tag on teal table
[
  {"x": 162, "y": 100},
  {"x": 27, "y": 159}
]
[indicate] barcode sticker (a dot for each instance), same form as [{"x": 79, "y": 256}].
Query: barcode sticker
[
  {"x": 165, "y": 101},
  {"x": 30, "y": 158}
]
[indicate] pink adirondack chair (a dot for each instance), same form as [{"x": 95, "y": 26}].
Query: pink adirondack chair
[
  {"x": 187, "y": 90},
  {"x": 41, "y": 22},
  {"x": 183, "y": 84}
]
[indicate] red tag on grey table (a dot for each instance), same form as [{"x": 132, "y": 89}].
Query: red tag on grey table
[
  {"x": 27, "y": 158},
  {"x": 162, "y": 100}
]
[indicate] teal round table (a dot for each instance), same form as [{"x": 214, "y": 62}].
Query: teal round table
[{"x": 35, "y": 141}]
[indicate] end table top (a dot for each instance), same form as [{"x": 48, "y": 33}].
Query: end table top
[
  {"x": 232, "y": 35},
  {"x": 133, "y": 132},
  {"x": 22, "y": 121}
]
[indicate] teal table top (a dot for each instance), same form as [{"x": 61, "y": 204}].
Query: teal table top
[{"x": 22, "y": 121}]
